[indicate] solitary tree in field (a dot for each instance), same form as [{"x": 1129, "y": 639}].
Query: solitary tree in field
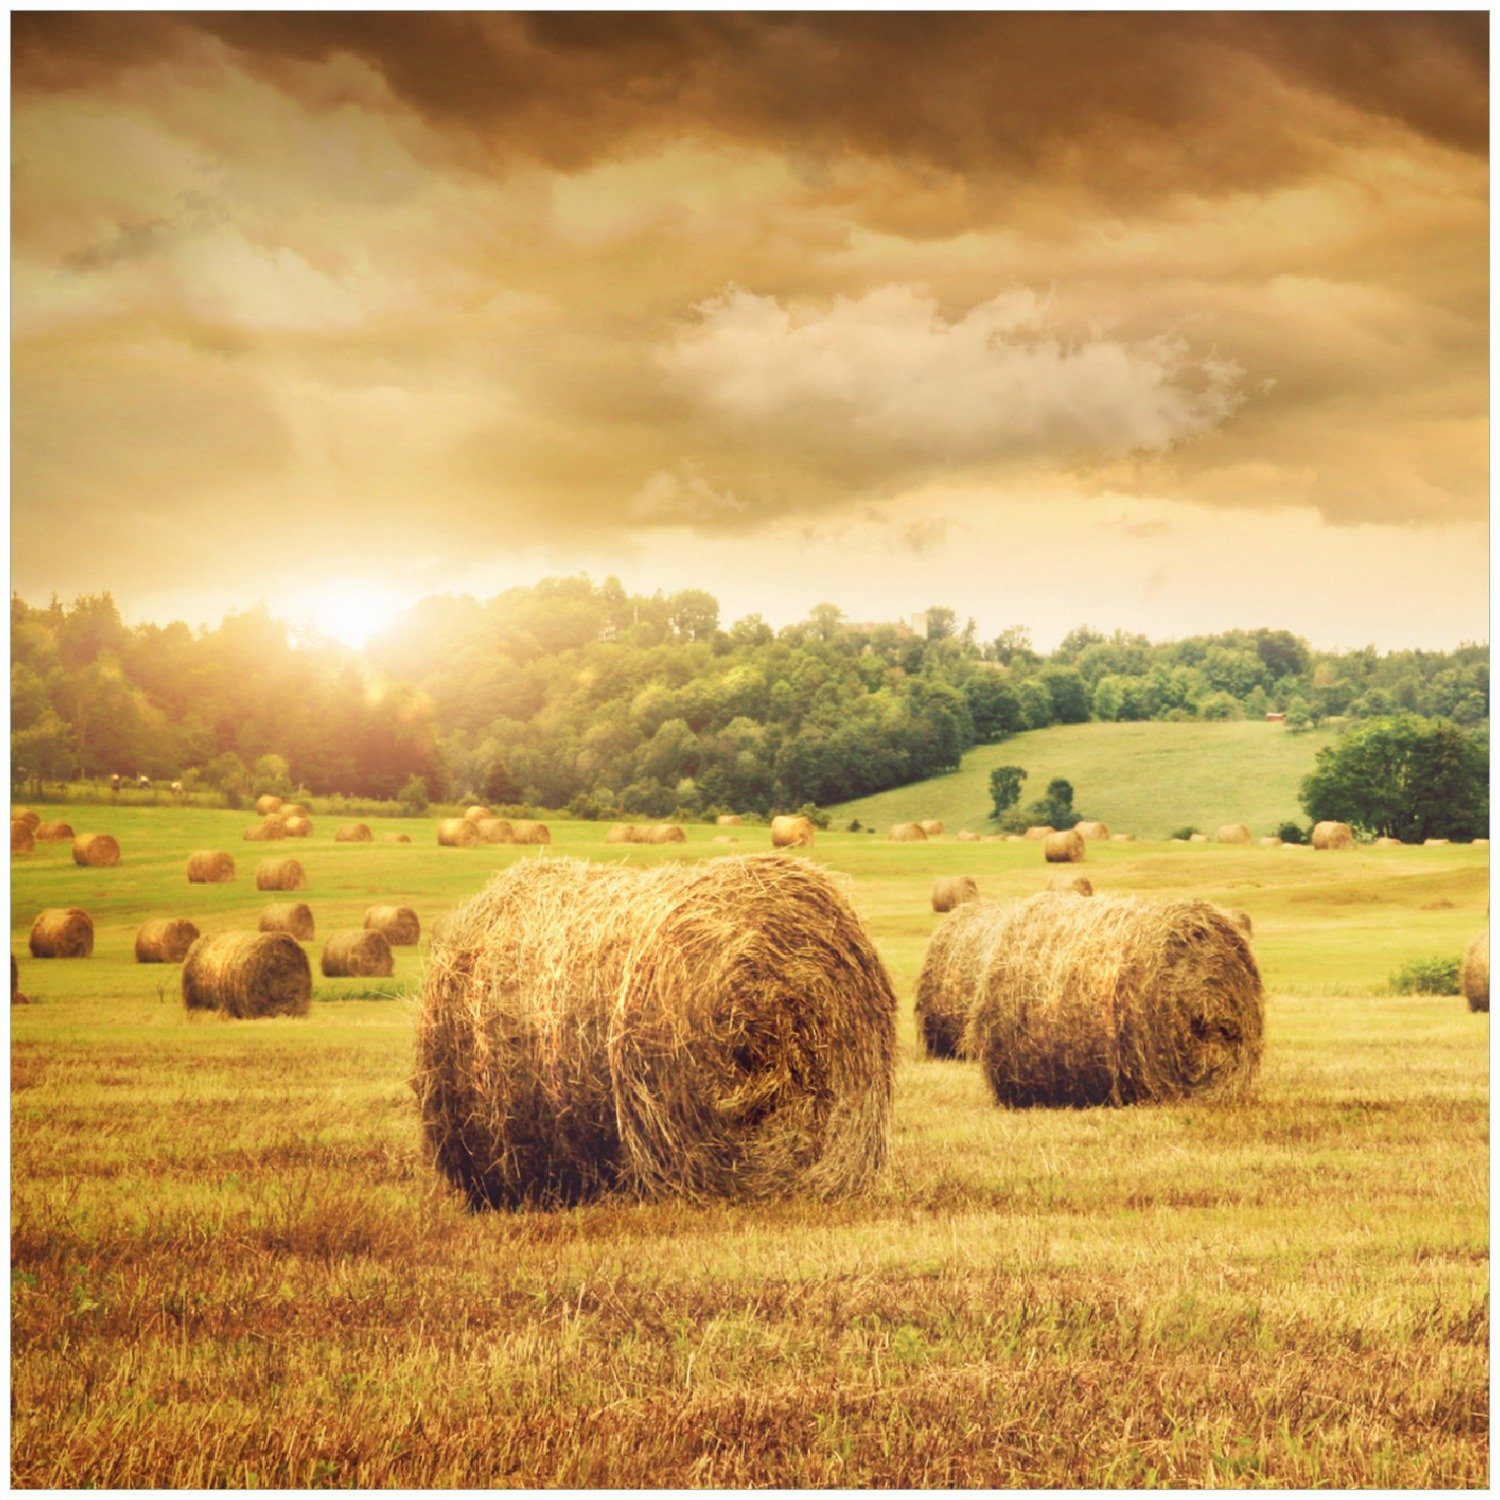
[{"x": 1005, "y": 788}]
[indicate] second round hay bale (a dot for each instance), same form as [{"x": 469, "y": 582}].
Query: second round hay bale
[
  {"x": 267, "y": 804},
  {"x": 209, "y": 867},
  {"x": 53, "y": 833},
  {"x": 96, "y": 850},
  {"x": 280, "y": 875},
  {"x": 495, "y": 830},
  {"x": 956, "y": 958},
  {"x": 1233, "y": 833},
  {"x": 790, "y": 832},
  {"x": 704, "y": 1031},
  {"x": 530, "y": 833},
  {"x": 245, "y": 975},
  {"x": 1065, "y": 848},
  {"x": 165, "y": 940},
  {"x": 22, "y": 840},
  {"x": 665, "y": 833},
  {"x": 457, "y": 833},
  {"x": 1330, "y": 835},
  {"x": 62, "y": 932},
  {"x": 1079, "y": 885},
  {"x": 357, "y": 952},
  {"x": 1116, "y": 1000},
  {"x": 622, "y": 833},
  {"x": 398, "y": 925},
  {"x": 294, "y": 918},
  {"x": 1092, "y": 828},
  {"x": 1474, "y": 975},
  {"x": 949, "y": 891},
  {"x": 908, "y": 833},
  {"x": 353, "y": 833}
]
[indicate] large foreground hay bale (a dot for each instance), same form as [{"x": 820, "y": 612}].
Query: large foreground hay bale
[
  {"x": 294, "y": 918},
  {"x": 623, "y": 833},
  {"x": 932, "y": 827},
  {"x": 908, "y": 833},
  {"x": 165, "y": 940},
  {"x": 457, "y": 833},
  {"x": 1328, "y": 835},
  {"x": 714, "y": 1030},
  {"x": 1039, "y": 832},
  {"x": 495, "y": 831},
  {"x": 665, "y": 833},
  {"x": 1079, "y": 885},
  {"x": 530, "y": 833},
  {"x": 209, "y": 867},
  {"x": 21, "y": 839},
  {"x": 357, "y": 953},
  {"x": 353, "y": 833},
  {"x": 96, "y": 850},
  {"x": 268, "y": 828},
  {"x": 267, "y": 804},
  {"x": 1092, "y": 828},
  {"x": 1233, "y": 833},
  {"x": 398, "y": 925},
  {"x": 62, "y": 932},
  {"x": 27, "y": 816},
  {"x": 247, "y": 974},
  {"x": 1474, "y": 976},
  {"x": 280, "y": 875},
  {"x": 949, "y": 891},
  {"x": 1116, "y": 1000},
  {"x": 478, "y": 813},
  {"x": 298, "y": 826},
  {"x": 1065, "y": 848},
  {"x": 789, "y": 832},
  {"x": 53, "y": 833},
  {"x": 729, "y": 820},
  {"x": 956, "y": 958}
]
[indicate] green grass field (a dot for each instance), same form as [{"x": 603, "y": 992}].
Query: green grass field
[
  {"x": 231, "y": 1264},
  {"x": 1146, "y": 779}
]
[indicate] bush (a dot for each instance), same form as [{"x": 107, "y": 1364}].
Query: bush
[
  {"x": 853, "y": 826},
  {"x": 814, "y": 815},
  {"x": 1292, "y": 833},
  {"x": 413, "y": 797},
  {"x": 1185, "y": 833},
  {"x": 1426, "y": 976}
]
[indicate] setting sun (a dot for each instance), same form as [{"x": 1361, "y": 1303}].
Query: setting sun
[{"x": 346, "y": 610}]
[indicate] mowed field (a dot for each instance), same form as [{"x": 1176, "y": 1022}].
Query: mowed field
[
  {"x": 231, "y": 1264},
  {"x": 1147, "y": 779}
]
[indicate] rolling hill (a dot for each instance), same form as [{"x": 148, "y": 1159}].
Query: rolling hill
[{"x": 1147, "y": 779}]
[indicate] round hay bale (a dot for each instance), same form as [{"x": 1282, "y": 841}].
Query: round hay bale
[
  {"x": 932, "y": 827},
  {"x": 96, "y": 850},
  {"x": 1039, "y": 831},
  {"x": 26, "y": 816},
  {"x": 297, "y": 827},
  {"x": 1233, "y": 833},
  {"x": 1388, "y": 843},
  {"x": 398, "y": 925},
  {"x": 1091, "y": 828},
  {"x": 269, "y": 828},
  {"x": 353, "y": 833},
  {"x": 967, "y": 836},
  {"x": 949, "y": 891},
  {"x": 622, "y": 833},
  {"x": 1116, "y": 1001},
  {"x": 245, "y": 975},
  {"x": 665, "y": 833},
  {"x": 1197, "y": 838},
  {"x": 704, "y": 1031},
  {"x": 791, "y": 832},
  {"x": 21, "y": 839},
  {"x": 357, "y": 953},
  {"x": 1014, "y": 838},
  {"x": 62, "y": 932},
  {"x": 1474, "y": 976},
  {"x": 292, "y": 810},
  {"x": 1079, "y": 885},
  {"x": 1433, "y": 843},
  {"x": 530, "y": 833},
  {"x": 165, "y": 940},
  {"x": 956, "y": 958},
  {"x": 1241, "y": 919},
  {"x": 294, "y": 918},
  {"x": 52, "y": 833},
  {"x": 478, "y": 813},
  {"x": 908, "y": 833},
  {"x": 1065, "y": 848},
  {"x": 280, "y": 875},
  {"x": 267, "y": 804},
  {"x": 495, "y": 831},
  {"x": 457, "y": 833},
  {"x": 1329, "y": 835},
  {"x": 1122, "y": 838},
  {"x": 209, "y": 867},
  {"x": 726, "y": 838},
  {"x": 400, "y": 838},
  {"x": 729, "y": 820},
  {"x": 1270, "y": 841}
]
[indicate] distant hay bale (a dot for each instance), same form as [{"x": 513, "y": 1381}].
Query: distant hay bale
[
  {"x": 949, "y": 891},
  {"x": 966, "y": 836},
  {"x": 495, "y": 830},
  {"x": 245, "y": 975},
  {"x": 1270, "y": 841},
  {"x": 1474, "y": 976},
  {"x": 1233, "y": 833},
  {"x": 294, "y": 918},
  {"x": 1328, "y": 835},
  {"x": 719, "y": 1030},
  {"x": 1092, "y": 829},
  {"x": 398, "y": 925},
  {"x": 1433, "y": 843},
  {"x": 1065, "y": 848},
  {"x": 1014, "y": 838},
  {"x": 1388, "y": 843},
  {"x": 908, "y": 833},
  {"x": 52, "y": 833},
  {"x": 932, "y": 827},
  {"x": 457, "y": 833},
  {"x": 956, "y": 958},
  {"x": 297, "y": 827},
  {"x": 353, "y": 833},
  {"x": 267, "y": 804},
  {"x": 622, "y": 833},
  {"x": 478, "y": 813},
  {"x": 1116, "y": 1000},
  {"x": 26, "y": 816},
  {"x": 1197, "y": 838},
  {"x": 62, "y": 932},
  {"x": 293, "y": 810},
  {"x": 530, "y": 833},
  {"x": 209, "y": 867},
  {"x": 1079, "y": 885},
  {"x": 729, "y": 820},
  {"x": 357, "y": 953},
  {"x": 399, "y": 838},
  {"x": 21, "y": 839},
  {"x": 1122, "y": 838},
  {"x": 165, "y": 940},
  {"x": 1039, "y": 831},
  {"x": 97, "y": 850},
  {"x": 791, "y": 832},
  {"x": 665, "y": 833},
  {"x": 726, "y": 838},
  {"x": 1241, "y": 919},
  {"x": 280, "y": 875}
]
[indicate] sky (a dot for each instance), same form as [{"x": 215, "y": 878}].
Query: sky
[{"x": 1167, "y": 323}]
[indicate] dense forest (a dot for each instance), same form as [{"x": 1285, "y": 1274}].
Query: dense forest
[{"x": 576, "y": 694}]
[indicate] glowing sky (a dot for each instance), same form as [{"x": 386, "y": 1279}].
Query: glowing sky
[{"x": 1169, "y": 323}]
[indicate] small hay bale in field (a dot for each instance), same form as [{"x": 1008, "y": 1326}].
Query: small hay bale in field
[
  {"x": 791, "y": 832},
  {"x": 729, "y": 820},
  {"x": 293, "y": 810},
  {"x": 1116, "y": 1001},
  {"x": 165, "y": 940},
  {"x": 294, "y": 918},
  {"x": 495, "y": 831},
  {"x": 622, "y": 833},
  {"x": 26, "y": 816},
  {"x": 297, "y": 827},
  {"x": 1065, "y": 848},
  {"x": 268, "y": 828},
  {"x": 1329, "y": 835},
  {"x": 704, "y": 1031},
  {"x": 53, "y": 833},
  {"x": 400, "y": 838},
  {"x": 1474, "y": 976},
  {"x": 967, "y": 836},
  {"x": 530, "y": 833},
  {"x": 1092, "y": 828},
  {"x": 1270, "y": 841},
  {"x": 1014, "y": 838},
  {"x": 908, "y": 833},
  {"x": 1233, "y": 833},
  {"x": 1039, "y": 831},
  {"x": 62, "y": 932},
  {"x": 353, "y": 833},
  {"x": 280, "y": 875},
  {"x": 96, "y": 850},
  {"x": 21, "y": 839},
  {"x": 949, "y": 891},
  {"x": 1079, "y": 885},
  {"x": 956, "y": 958},
  {"x": 1388, "y": 843},
  {"x": 1197, "y": 838},
  {"x": 398, "y": 925},
  {"x": 932, "y": 827},
  {"x": 726, "y": 838},
  {"x": 268, "y": 804},
  {"x": 245, "y": 975},
  {"x": 209, "y": 867},
  {"x": 1433, "y": 843},
  {"x": 457, "y": 833},
  {"x": 665, "y": 833},
  {"x": 478, "y": 813},
  {"x": 357, "y": 953}
]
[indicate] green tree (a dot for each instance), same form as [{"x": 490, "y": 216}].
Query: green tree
[
  {"x": 413, "y": 797},
  {"x": 1069, "y": 694},
  {"x": 500, "y": 787},
  {"x": 1005, "y": 788},
  {"x": 47, "y": 751},
  {"x": 1056, "y": 806}
]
